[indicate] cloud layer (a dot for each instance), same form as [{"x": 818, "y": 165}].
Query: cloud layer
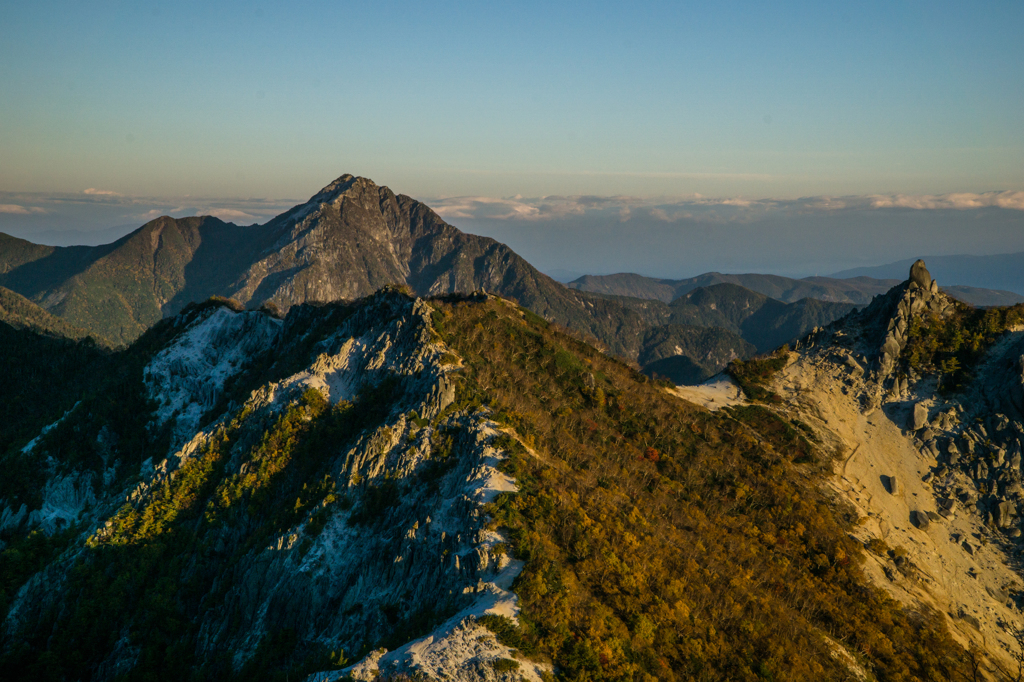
[
  {"x": 16, "y": 209},
  {"x": 700, "y": 208}
]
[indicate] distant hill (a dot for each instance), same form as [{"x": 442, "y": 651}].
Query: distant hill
[
  {"x": 715, "y": 324},
  {"x": 760, "y": 320},
  {"x": 780, "y": 288},
  {"x": 689, "y": 355},
  {"x": 858, "y": 290},
  {"x": 1002, "y": 272}
]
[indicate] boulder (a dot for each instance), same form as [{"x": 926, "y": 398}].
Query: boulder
[
  {"x": 894, "y": 486},
  {"x": 1004, "y": 513},
  {"x": 920, "y": 519},
  {"x": 919, "y": 417},
  {"x": 919, "y": 275}
]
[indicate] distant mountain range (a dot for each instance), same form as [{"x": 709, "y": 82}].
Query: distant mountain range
[
  {"x": 703, "y": 330},
  {"x": 1001, "y": 271},
  {"x": 354, "y": 237},
  {"x": 850, "y": 287}
]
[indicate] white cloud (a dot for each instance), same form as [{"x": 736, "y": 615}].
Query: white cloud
[
  {"x": 485, "y": 207},
  {"x": 100, "y": 192},
  {"x": 152, "y": 214},
  {"x": 957, "y": 200},
  {"x": 696, "y": 207},
  {"x": 229, "y": 214},
  {"x": 20, "y": 210}
]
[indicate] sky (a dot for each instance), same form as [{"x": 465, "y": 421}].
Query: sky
[{"x": 110, "y": 112}]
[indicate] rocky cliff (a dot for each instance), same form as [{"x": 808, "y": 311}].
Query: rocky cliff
[
  {"x": 920, "y": 396},
  {"x": 340, "y": 503}
]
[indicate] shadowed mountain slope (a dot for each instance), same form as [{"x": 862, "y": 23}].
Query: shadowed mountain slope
[
  {"x": 688, "y": 355},
  {"x": 21, "y": 313},
  {"x": 764, "y": 322}
]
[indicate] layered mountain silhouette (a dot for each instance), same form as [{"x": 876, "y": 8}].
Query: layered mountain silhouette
[
  {"x": 354, "y": 237},
  {"x": 999, "y": 271},
  {"x": 850, "y": 287}
]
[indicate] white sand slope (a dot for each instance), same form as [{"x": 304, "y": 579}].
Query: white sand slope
[
  {"x": 717, "y": 392},
  {"x": 968, "y": 586}
]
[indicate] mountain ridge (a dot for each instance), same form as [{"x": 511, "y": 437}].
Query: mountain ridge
[
  {"x": 858, "y": 289},
  {"x": 371, "y": 475}
]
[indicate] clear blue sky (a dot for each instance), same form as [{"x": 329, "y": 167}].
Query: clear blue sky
[{"x": 756, "y": 99}]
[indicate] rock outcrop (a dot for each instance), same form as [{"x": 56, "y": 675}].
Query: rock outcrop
[
  {"x": 957, "y": 453},
  {"x": 396, "y": 533},
  {"x": 920, "y": 276}
]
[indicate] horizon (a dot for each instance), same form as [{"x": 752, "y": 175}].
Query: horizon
[
  {"x": 793, "y": 139},
  {"x": 664, "y": 237}
]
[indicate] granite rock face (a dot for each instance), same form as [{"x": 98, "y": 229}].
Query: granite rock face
[
  {"x": 391, "y": 529},
  {"x": 892, "y": 315},
  {"x": 920, "y": 276}
]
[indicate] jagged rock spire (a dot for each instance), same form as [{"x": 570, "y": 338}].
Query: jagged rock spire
[{"x": 919, "y": 275}]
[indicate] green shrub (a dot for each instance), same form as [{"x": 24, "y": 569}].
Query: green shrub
[{"x": 504, "y": 665}]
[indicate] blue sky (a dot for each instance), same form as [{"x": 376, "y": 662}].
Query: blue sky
[{"x": 781, "y": 100}]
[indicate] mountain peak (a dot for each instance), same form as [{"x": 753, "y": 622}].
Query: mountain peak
[{"x": 345, "y": 185}]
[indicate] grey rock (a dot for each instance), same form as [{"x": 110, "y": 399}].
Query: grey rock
[
  {"x": 921, "y": 519},
  {"x": 1004, "y": 513},
  {"x": 919, "y": 417}
]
